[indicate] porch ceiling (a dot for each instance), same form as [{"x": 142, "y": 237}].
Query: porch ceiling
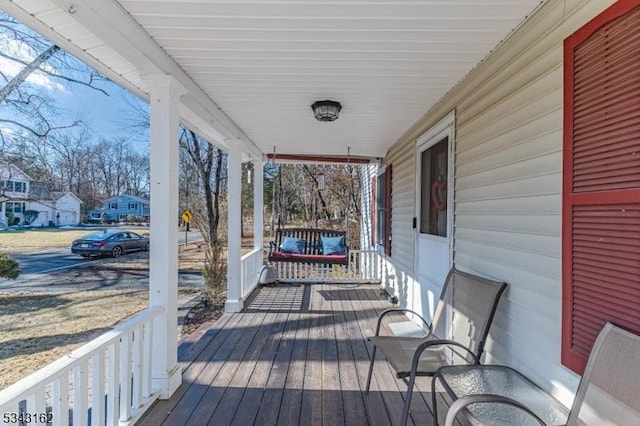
[{"x": 264, "y": 62}]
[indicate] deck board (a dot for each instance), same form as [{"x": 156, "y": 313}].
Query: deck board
[{"x": 297, "y": 355}]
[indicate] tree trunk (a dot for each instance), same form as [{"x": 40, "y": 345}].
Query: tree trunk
[
  {"x": 216, "y": 199},
  {"x": 26, "y": 71}
]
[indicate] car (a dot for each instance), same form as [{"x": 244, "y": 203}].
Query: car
[{"x": 109, "y": 242}]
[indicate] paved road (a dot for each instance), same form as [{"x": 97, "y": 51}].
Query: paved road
[
  {"x": 55, "y": 259},
  {"x": 48, "y": 261}
]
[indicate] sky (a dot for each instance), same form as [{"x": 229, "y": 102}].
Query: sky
[{"x": 104, "y": 115}]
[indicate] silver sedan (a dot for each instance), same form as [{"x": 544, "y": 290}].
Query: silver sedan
[{"x": 109, "y": 242}]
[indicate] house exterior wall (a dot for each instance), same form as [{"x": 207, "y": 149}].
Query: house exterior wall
[
  {"x": 10, "y": 178},
  {"x": 69, "y": 209},
  {"x": 46, "y": 212},
  {"x": 64, "y": 211},
  {"x": 368, "y": 203},
  {"x": 121, "y": 208},
  {"x": 508, "y": 188}
]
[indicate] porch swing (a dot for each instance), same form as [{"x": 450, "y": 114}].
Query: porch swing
[{"x": 308, "y": 245}]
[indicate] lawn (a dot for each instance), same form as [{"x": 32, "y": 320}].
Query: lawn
[
  {"x": 30, "y": 240},
  {"x": 38, "y": 328}
]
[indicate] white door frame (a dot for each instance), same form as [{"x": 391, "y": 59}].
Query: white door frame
[{"x": 445, "y": 128}]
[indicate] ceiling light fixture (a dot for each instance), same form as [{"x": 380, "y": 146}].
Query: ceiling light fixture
[{"x": 326, "y": 110}]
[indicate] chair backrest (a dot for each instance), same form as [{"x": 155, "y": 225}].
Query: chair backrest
[
  {"x": 609, "y": 392},
  {"x": 470, "y": 303}
]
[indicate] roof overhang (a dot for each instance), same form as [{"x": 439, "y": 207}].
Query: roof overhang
[{"x": 252, "y": 69}]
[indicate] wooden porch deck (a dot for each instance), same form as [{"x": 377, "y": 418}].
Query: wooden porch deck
[{"x": 297, "y": 355}]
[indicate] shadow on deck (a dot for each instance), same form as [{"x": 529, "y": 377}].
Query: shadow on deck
[{"x": 297, "y": 355}]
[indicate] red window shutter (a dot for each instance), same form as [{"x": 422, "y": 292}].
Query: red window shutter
[
  {"x": 601, "y": 188},
  {"x": 387, "y": 211},
  {"x": 373, "y": 199}
]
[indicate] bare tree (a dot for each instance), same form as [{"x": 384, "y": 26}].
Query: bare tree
[
  {"x": 207, "y": 162},
  {"x": 25, "y": 106}
]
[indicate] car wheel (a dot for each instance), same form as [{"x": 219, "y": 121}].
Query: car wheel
[
  {"x": 85, "y": 255},
  {"x": 116, "y": 251}
]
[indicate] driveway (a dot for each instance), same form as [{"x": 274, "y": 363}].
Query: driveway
[
  {"x": 60, "y": 270},
  {"x": 46, "y": 261}
]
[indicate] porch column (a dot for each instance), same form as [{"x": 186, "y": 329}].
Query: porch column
[
  {"x": 258, "y": 204},
  {"x": 234, "y": 271},
  {"x": 164, "y": 105}
]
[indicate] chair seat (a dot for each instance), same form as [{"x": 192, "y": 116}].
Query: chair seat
[{"x": 398, "y": 351}]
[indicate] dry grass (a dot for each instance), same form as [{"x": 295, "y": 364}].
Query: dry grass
[
  {"x": 30, "y": 240},
  {"x": 37, "y": 328}
]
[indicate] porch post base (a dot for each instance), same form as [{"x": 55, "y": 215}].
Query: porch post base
[
  {"x": 167, "y": 383},
  {"x": 234, "y": 305}
]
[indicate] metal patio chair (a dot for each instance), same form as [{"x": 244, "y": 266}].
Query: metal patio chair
[
  {"x": 609, "y": 391},
  {"x": 466, "y": 307}
]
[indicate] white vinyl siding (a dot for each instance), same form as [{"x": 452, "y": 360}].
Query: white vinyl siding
[
  {"x": 508, "y": 186},
  {"x": 402, "y": 232}
]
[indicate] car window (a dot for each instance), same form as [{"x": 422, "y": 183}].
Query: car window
[
  {"x": 134, "y": 235},
  {"x": 118, "y": 236}
]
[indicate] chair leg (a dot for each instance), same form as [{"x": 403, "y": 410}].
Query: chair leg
[
  {"x": 373, "y": 359},
  {"x": 407, "y": 400},
  {"x": 433, "y": 401}
]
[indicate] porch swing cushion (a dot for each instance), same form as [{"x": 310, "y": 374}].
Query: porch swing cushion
[
  {"x": 292, "y": 245},
  {"x": 309, "y": 245},
  {"x": 333, "y": 246}
]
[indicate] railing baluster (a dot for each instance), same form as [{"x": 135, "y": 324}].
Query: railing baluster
[
  {"x": 113, "y": 388},
  {"x": 136, "y": 400},
  {"x": 60, "y": 399},
  {"x": 97, "y": 388},
  {"x": 125, "y": 377},
  {"x": 146, "y": 365},
  {"x": 80, "y": 393}
]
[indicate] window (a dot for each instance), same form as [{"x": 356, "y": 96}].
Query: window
[
  {"x": 122, "y": 217},
  {"x": 383, "y": 219},
  {"x": 13, "y": 186},
  {"x": 113, "y": 206},
  {"x": 434, "y": 163},
  {"x": 601, "y": 187},
  {"x": 13, "y": 207},
  {"x": 133, "y": 206}
]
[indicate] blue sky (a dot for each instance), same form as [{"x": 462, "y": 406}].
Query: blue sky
[{"x": 104, "y": 115}]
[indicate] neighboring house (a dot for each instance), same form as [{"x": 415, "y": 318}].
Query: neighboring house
[
  {"x": 121, "y": 207},
  {"x": 20, "y": 194},
  {"x": 59, "y": 208}
]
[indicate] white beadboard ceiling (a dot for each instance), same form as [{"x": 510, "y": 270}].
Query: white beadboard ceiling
[{"x": 254, "y": 67}]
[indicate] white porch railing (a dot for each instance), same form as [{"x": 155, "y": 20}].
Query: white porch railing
[
  {"x": 364, "y": 265},
  {"x": 105, "y": 382},
  {"x": 250, "y": 266}
]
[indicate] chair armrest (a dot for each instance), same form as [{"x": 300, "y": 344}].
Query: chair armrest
[
  {"x": 390, "y": 310},
  {"x": 467, "y": 400},
  {"x": 272, "y": 247},
  {"x": 438, "y": 342}
]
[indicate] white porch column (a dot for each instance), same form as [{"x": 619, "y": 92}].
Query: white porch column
[
  {"x": 163, "y": 258},
  {"x": 258, "y": 204},
  {"x": 234, "y": 271}
]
